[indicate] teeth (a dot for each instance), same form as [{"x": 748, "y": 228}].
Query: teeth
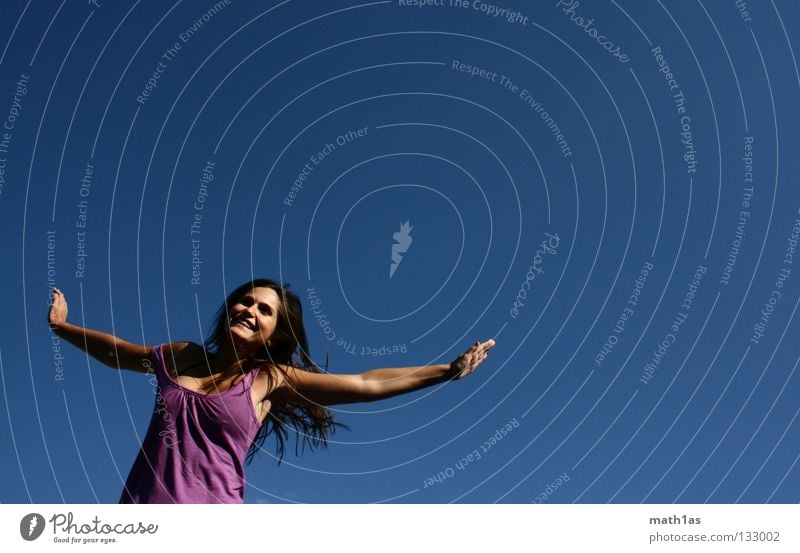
[{"x": 246, "y": 324}]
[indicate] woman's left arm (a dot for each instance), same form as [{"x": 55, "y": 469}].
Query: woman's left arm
[{"x": 302, "y": 386}]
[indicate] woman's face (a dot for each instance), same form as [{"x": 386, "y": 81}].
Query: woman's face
[{"x": 253, "y": 318}]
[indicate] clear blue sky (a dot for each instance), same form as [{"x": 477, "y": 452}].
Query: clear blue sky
[{"x": 634, "y": 138}]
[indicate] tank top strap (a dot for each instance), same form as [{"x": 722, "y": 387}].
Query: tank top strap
[
  {"x": 250, "y": 378},
  {"x": 159, "y": 364}
]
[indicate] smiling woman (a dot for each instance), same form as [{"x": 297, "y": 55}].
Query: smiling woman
[{"x": 217, "y": 403}]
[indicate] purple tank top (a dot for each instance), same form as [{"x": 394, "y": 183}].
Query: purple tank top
[{"x": 195, "y": 445}]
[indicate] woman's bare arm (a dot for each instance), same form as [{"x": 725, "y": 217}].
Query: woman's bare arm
[
  {"x": 302, "y": 386},
  {"x": 106, "y": 348}
]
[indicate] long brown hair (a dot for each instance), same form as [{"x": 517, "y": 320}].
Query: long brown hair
[{"x": 313, "y": 423}]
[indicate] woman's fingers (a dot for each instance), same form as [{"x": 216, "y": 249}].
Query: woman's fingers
[
  {"x": 481, "y": 348},
  {"x": 476, "y": 354},
  {"x": 479, "y": 353},
  {"x": 58, "y": 308}
]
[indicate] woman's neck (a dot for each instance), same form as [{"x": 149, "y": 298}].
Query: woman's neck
[{"x": 227, "y": 358}]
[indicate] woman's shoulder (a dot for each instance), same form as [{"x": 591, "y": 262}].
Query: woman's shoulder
[
  {"x": 269, "y": 377},
  {"x": 179, "y": 348},
  {"x": 273, "y": 373},
  {"x": 273, "y": 368}
]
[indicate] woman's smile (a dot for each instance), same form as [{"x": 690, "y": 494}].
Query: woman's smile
[{"x": 245, "y": 323}]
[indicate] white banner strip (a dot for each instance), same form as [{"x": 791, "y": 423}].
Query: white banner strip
[{"x": 401, "y": 528}]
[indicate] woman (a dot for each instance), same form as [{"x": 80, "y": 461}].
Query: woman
[{"x": 216, "y": 404}]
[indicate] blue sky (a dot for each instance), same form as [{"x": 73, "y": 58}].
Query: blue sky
[{"x": 640, "y": 169}]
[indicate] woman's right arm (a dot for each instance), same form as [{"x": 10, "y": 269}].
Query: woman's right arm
[{"x": 106, "y": 348}]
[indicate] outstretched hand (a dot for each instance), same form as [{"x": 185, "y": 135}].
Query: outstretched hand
[
  {"x": 58, "y": 309},
  {"x": 470, "y": 359}
]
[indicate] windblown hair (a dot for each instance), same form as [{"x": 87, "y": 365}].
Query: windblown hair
[{"x": 289, "y": 346}]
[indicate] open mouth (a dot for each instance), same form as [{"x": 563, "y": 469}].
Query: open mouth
[{"x": 245, "y": 323}]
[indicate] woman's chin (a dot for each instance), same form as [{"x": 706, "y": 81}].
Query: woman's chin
[
  {"x": 241, "y": 331},
  {"x": 239, "y": 336}
]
